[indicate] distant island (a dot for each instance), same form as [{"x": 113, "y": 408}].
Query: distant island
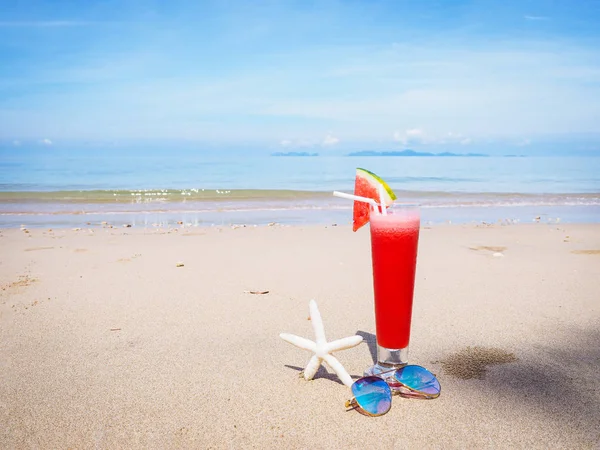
[
  {"x": 294, "y": 154},
  {"x": 412, "y": 153}
]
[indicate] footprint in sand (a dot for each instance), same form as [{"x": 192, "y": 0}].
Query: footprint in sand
[
  {"x": 23, "y": 281},
  {"x": 489, "y": 249},
  {"x": 34, "y": 249},
  {"x": 126, "y": 260},
  {"x": 586, "y": 252},
  {"x": 472, "y": 362}
]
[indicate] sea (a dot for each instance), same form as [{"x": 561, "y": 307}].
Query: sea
[{"x": 56, "y": 188}]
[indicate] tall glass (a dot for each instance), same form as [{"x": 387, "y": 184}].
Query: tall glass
[{"x": 394, "y": 243}]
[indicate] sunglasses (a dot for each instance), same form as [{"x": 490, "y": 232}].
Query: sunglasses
[{"x": 373, "y": 394}]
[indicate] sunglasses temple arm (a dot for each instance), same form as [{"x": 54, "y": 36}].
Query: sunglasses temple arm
[{"x": 351, "y": 404}]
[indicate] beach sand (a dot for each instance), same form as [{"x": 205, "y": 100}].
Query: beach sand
[{"x": 106, "y": 343}]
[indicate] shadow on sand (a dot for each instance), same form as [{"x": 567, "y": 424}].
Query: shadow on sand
[
  {"x": 368, "y": 338},
  {"x": 371, "y": 340},
  {"x": 561, "y": 381},
  {"x": 322, "y": 373}
]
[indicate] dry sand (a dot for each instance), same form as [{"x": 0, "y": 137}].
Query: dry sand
[{"x": 106, "y": 343}]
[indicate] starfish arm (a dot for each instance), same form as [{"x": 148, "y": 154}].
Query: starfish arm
[
  {"x": 343, "y": 344},
  {"x": 317, "y": 322},
  {"x": 338, "y": 369},
  {"x": 312, "y": 367},
  {"x": 298, "y": 341}
]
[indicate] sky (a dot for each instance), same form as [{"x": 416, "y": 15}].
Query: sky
[{"x": 466, "y": 76}]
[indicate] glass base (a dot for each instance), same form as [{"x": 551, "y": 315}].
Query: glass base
[{"x": 388, "y": 359}]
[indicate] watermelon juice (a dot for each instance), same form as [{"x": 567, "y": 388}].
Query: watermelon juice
[{"x": 394, "y": 242}]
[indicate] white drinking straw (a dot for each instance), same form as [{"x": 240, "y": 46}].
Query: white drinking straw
[
  {"x": 381, "y": 200},
  {"x": 358, "y": 198}
]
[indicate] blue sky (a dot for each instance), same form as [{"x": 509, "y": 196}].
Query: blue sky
[{"x": 329, "y": 75}]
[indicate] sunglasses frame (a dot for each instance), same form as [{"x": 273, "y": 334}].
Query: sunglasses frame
[
  {"x": 353, "y": 404},
  {"x": 396, "y": 388}
]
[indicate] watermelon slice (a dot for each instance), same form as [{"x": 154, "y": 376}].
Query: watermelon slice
[{"x": 367, "y": 185}]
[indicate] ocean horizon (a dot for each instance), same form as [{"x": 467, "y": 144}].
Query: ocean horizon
[{"x": 57, "y": 189}]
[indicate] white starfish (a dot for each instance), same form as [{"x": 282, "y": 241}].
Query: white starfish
[{"x": 322, "y": 349}]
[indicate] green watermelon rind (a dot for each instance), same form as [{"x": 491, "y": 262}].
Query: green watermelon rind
[
  {"x": 360, "y": 211},
  {"x": 374, "y": 179}
]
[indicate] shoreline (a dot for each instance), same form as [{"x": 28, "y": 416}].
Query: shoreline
[
  {"x": 211, "y": 207},
  {"x": 301, "y": 215}
]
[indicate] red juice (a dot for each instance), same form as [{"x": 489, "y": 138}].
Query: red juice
[{"x": 394, "y": 242}]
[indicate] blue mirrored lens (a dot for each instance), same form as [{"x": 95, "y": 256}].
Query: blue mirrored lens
[
  {"x": 373, "y": 395},
  {"x": 419, "y": 379}
]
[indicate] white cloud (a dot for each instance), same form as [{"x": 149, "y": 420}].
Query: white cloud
[
  {"x": 330, "y": 140},
  {"x": 452, "y": 137},
  {"x": 410, "y": 136},
  {"x": 414, "y": 133},
  {"x": 524, "y": 142},
  {"x": 433, "y": 86},
  {"x": 16, "y": 143},
  {"x": 297, "y": 143},
  {"x": 416, "y": 136},
  {"x": 46, "y": 141},
  {"x": 528, "y": 17}
]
